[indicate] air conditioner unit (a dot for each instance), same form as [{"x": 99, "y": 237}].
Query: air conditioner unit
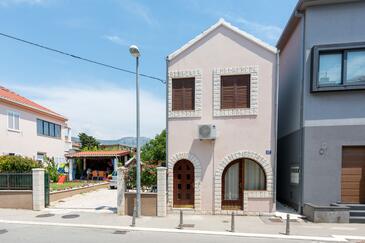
[{"x": 207, "y": 131}]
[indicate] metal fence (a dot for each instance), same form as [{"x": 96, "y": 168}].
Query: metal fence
[
  {"x": 46, "y": 189},
  {"x": 15, "y": 181}
]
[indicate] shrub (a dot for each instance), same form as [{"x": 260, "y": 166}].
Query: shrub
[
  {"x": 51, "y": 168},
  {"x": 17, "y": 164}
]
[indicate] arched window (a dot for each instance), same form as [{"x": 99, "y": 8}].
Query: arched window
[
  {"x": 254, "y": 176},
  {"x": 238, "y": 176}
]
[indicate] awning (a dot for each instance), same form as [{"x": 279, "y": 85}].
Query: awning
[{"x": 96, "y": 154}]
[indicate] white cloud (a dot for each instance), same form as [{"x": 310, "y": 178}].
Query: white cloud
[
  {"x": 139, "y": 10},
  {"x": 6, "y": 3},
  {"x": 116, "y": 40},
  {"x": 104, "y": 111},
  {"x": 265, "y": 31}
]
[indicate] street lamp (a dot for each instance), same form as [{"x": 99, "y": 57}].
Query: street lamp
[{"x": 135, "y": 53}]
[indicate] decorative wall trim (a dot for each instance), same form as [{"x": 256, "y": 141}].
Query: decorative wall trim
[
  {"x": 197, "y": 74},
  {"x": 335, "y": 122},
  {"x": 217, "y": 73},
  {"x": 197, "y": 173},
  {"x": 266, "y": 165}
]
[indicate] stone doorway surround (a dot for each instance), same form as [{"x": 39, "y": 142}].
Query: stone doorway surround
[{"x": 197, "y": 173}]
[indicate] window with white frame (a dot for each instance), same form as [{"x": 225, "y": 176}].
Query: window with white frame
[
  {"x": 40, "y": 157},
  {"x": 13, "y": 120},
  {"x": 50, "y": 129}
]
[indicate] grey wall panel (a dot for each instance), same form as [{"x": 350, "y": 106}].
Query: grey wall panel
[
  {"x": 333, "y": 24},
  {"x": 323, "y": 161},
  {"x": 290, "y": 80},
  {"x": 288, "y": 156}
]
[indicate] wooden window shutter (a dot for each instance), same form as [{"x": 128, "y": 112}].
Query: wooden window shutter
[
  {"x": 183, "y": 94},
  {"x": 235, "y": 91}
]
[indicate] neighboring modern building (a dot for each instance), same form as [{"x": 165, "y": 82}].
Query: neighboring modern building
[
  {"x": 321, "y": 137},
  {"x": 31, "y": 130},
  {"x": 223, "y": 83},
  {"x": 76, "y": 145}
]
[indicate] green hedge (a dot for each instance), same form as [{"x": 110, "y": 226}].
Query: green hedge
[{"x": 17, "y": 164}]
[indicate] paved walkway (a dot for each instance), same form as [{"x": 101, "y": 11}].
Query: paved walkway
[
  {"x": 246, "y": 226},
  {"x": 101, "y": 201},
  {"x": 96, "y": 210}
]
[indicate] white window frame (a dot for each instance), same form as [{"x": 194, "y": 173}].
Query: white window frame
[
  {"x": 13, "y": 114},
  {"x": 42, "y": 154},
  {"x": 253, "y": 71}
]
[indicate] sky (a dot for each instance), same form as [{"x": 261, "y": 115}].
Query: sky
[{"x": 98, "y": 100}]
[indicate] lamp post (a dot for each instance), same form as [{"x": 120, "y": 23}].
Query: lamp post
[{"x": 135, "y": 53}]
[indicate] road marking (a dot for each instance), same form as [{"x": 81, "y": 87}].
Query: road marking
[
  {"x": 205, "y": 232},
  {"x": 349, "y": 237},
  {"x": 342, "y": 228}
]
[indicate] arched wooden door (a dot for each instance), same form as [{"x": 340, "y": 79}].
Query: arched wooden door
[{"x": 183, "y": 184}]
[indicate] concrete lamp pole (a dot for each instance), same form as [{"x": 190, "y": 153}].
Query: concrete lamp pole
[{"x": 135, "y": 53}]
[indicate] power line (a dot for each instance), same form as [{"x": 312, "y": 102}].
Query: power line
[{"x": 79, "y": 57}]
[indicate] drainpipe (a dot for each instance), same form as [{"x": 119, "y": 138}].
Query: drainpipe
[
  {"x": 276, "y": 125},
  {"x": 301, "y": 15}
]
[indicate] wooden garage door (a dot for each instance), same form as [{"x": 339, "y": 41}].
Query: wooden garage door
[{"x": 353, "y": 175}]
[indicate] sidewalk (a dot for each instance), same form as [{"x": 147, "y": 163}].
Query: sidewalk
[{"x": 211, "y": 223}]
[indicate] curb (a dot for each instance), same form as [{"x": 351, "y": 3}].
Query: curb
[{"x": 333, "y": 238}]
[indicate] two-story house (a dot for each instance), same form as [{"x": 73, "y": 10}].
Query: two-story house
[
  {"x": 31, "y": 130},
  {"x": 321, "y": 137},
  {"x": 222, "y": 86}
]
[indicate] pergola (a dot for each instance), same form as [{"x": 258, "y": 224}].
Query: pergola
[{"x": 99, "y": 159}]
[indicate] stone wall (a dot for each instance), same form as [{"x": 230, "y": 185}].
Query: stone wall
[
  {"x": 18, "y": 199},
  {"x": 148, "y": 203},
  {"x": 326, "y": 214}
]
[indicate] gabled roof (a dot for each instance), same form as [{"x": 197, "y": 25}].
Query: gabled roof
[
  {"x": 222, "y": 22},
  {"x": 100, "y": 153},
  {"x": 301, "y": 6},
  {"x": 11, "y": 97}
]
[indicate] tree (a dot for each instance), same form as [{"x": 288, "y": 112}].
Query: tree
[
  {"x": 88, "y": 142},
  {"x": 154, "y": 152}
]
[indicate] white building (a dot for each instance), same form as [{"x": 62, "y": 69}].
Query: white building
[{"x": 31, "y": 130}]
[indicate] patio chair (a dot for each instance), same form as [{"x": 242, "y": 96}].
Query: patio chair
[
  {"x": 101, "y": 175},
  {"x": 94, "y": 175}
]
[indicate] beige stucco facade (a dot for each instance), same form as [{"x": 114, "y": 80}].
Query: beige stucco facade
[
  {"x": 241, "y": 133},
  {"x": 26, "y": 141}
]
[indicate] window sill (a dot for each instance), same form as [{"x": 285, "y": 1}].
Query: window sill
[
  {"x": 185, "y": 114},
  {"x": 252, "y": 111},
  {"x": 14, "y": 130},
  {"x": 337, "y": 88},
  {"x": 45, "y": 136}
]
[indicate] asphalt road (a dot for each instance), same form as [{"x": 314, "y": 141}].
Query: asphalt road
[{"x": 54, "y": 234}]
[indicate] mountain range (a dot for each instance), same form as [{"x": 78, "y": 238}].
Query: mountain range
[{"x": 124, "y": 141}]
